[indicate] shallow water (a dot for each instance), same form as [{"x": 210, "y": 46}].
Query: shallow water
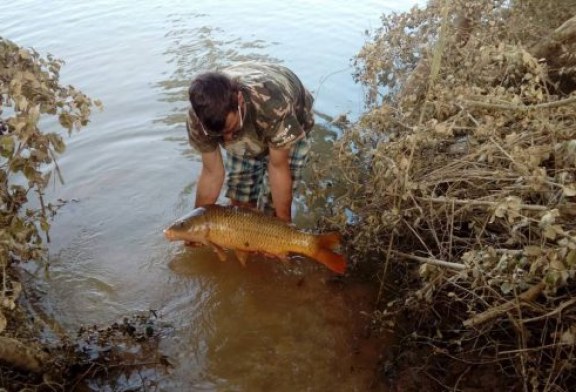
[{"x": 128, "y": 174}]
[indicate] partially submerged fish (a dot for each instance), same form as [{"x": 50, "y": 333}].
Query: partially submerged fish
[{"x": 246, "y": 231}]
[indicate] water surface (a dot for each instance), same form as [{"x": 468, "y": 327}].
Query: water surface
[{"x": 128, "y": 174}]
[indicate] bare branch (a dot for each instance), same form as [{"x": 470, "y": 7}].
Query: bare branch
[
  {"x": 440, "y": 263},
  {"x": 528, "y": 296}
]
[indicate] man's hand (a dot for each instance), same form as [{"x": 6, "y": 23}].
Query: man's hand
[{"x": 211, "y": 178}]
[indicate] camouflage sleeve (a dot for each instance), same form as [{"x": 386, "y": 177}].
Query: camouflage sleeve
[
  {"x": 198, "y": 140},
  {"x": 287, "y": 132},
  {"x": 276, "y": 115}
]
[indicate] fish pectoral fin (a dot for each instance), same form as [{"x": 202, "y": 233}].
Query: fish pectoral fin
[
  {"x": 283, "y": 257},
  {"x": 220, "y": 252},
  {"x": 242, "y": 257}
]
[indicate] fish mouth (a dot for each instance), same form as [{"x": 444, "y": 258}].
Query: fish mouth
[
  {"x": 178, "y": 235},
  {"x": 170, "y": 235}
]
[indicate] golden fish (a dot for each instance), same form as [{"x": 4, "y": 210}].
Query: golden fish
[{"x": 247, "y": 231}]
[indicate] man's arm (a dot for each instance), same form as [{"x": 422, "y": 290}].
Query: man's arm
[
  {"x": 211, "y": 178},
  {"x": 281, "y": 182}
]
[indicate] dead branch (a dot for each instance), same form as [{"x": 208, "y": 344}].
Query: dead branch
[
  {"x": 530, "y": 207},
  {"x": 463, "y": 27},
  {"x": 528, "y": 296},
  {"x": 440, "y": 263},
  {"x": 564, "y": 208},
  {"x": 507, "y": 106},
  {"x": 548, "y": 47},
  {"x": 556, "y": 311},
  {"x": 554, "y": 49}
]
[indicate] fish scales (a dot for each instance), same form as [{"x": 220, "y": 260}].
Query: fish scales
[
  {"x": 247, "y": 231},
  {"x": 241, "y": 229}
]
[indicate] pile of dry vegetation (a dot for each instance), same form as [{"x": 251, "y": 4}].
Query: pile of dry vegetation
[{"x": 466, "y": 164}]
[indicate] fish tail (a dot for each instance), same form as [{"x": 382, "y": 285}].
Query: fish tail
[{"x": 325, "y": 255}]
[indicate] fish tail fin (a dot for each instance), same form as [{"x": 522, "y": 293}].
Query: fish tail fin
[{"x": 324, "y": 254}]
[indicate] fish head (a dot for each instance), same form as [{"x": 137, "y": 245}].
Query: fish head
[{"x": 192, "y": 227}]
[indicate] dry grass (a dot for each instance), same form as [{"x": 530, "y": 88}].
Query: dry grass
[{"x": 466, "y": 163}]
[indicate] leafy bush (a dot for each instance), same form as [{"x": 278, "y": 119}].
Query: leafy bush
[{"x": 30, "y": 91}]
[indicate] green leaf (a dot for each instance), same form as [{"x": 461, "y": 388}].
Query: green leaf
[
  {"x": 6, "y": 146},
  {"x": 66, "y": 121},
  {"x": 30, "y": 172},
  {"x": 30, "y": 89},
  {"x": 569, "y": 190},
  {"x": 506, "y": 288},
  {"x": 571, "y": 258},
  {"x": 44, "y": 225},
  {"x": 17, "y": 164},
  {"x": 56, "y": 142}
]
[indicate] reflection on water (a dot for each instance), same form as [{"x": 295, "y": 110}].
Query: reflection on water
[
  {"x": 198, "y": 47},
  {"x": 268, "y": 326}
]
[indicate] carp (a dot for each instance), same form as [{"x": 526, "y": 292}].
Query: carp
[{"x": 246, "y": 231}]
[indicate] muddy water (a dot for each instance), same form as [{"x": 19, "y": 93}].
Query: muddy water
[{"x": 265, "y": 327}]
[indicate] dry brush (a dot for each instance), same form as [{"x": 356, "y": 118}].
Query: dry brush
[{"x": 465, "y": 163}]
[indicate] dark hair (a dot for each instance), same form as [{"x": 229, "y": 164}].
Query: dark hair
[{"x": 213, "y": 95}]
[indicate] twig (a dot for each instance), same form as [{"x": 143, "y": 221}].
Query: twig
[
  {"x": 426, "y": 216},
  {"x": 80, "y": 378},
  {"x": 531, "y": 207},
  {"x": 521, "y": 338},
  {"x": 464, "y": 373},
  {"x": 521, "y": 168},
  {"x": 556, "y": 311},
  {"x": 56, "y": 167},
  {"x": 452, "y": 279},
  {"x": 551, "y": 381},
  {"x": 535, "y": 348},
  {"x": 441, "y": 263},
  {"x": 417, "y": 236},
  {"x": 527, "y": 296},
  {"x": 508, "y": 106},
  {"x": 451, "y": 240},
  {"x": 390, "y": 242},
  {"x": 511, "y": 252}
]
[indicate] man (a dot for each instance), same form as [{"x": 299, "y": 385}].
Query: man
[{"x": 261, "y": 114}]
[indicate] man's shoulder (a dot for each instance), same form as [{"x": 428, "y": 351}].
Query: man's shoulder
[
  {"x": 275, "y": 94},
  {"x": 257, "y": 68},
  {"x": 258, "y": 74}
]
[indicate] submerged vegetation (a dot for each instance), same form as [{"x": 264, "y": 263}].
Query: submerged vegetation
[{"x": 460, "y": 181}]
